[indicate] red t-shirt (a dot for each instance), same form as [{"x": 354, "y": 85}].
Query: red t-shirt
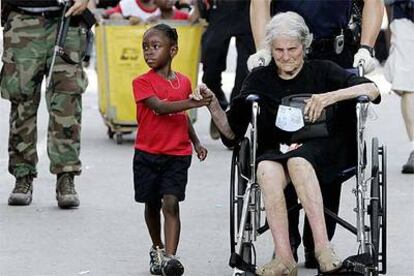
[
  {"x": 133, "y": 8},
  {"x": 162, "y": 134},
  {"x": 180, "y": 15}
]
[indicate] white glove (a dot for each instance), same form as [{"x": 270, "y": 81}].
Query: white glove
[
  {"x": 364, "y": 57},
  {"x": 260, "y": 58}
]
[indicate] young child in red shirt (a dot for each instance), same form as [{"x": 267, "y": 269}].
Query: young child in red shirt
[
  {"x": 136, "y": 11},
  {"x": 168, "y": 11},
  {"x": 163, "y": 144}
]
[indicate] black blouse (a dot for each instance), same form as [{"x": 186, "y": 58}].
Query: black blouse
[{"x": 315, "y": 77}]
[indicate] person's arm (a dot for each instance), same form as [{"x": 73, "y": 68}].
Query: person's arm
[
  {"x": 318, "y": 102},
  {"x": 194, "y": 14},
  {"x": 198, "y": 147},
  {"x": 218, "y": 115},
  {"x": 372, "y": 15},
  {"x": 92, "y": 5},
  {"x": 114, "y": 13},
  {"x": 77, "y": 8},
  {"x": 259, "y": 17},
  {"x": 387, "y": 31},
  {"x": 163, "y": 107}
]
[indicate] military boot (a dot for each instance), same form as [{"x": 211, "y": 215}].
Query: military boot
[
  {"x": 22, "y": 192},
  {"x": 65, "y": 191}
]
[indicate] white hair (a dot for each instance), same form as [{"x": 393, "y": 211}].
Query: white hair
[{"x": 289, "y": 24}]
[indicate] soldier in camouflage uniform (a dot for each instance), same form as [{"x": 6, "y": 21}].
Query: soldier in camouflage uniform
[{"x": 29, "y": 36}]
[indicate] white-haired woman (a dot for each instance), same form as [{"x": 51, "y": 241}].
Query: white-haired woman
[{"x": 311, "y": 163}]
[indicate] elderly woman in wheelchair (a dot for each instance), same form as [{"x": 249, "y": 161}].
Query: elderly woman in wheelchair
[{"x": 310, "y": 157}]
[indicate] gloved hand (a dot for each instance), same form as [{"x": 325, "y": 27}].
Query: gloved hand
[
  {"x": 260, "y": 58},
  {"x": 368, "y": 62}
]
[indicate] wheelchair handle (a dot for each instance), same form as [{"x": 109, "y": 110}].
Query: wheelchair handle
[
  {"x": 362, "y": 99},
  {"x": 361, "y": 68},
  {"x": 252, "y": 98}
]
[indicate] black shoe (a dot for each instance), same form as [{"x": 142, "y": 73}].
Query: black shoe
[
  {"x": 172, "y": 267},
  {"x": 310, "y": 260},
  {"x": 409, "y": 166}
]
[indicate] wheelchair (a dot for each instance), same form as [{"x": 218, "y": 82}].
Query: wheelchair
[{"x": 247, "y": 218}]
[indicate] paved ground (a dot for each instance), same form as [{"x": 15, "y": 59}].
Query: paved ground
[{"x": 106, "y": 236}]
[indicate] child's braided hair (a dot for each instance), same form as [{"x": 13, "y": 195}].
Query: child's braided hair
[{"x": 170, "y": 32}]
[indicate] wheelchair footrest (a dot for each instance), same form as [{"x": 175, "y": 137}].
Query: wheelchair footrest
[
  {"x": 236, "y": 261},
  {"x": 355, "y": 265}
]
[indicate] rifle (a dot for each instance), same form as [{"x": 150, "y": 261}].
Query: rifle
[
  {"x": 88, "y": 20},
  {"x": 60, "y": 38}
]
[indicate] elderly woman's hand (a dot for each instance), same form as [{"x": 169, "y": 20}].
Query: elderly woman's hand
[
  {"x": 205, "y": 92},
  {"x": 315, "y": 105},
  {"x": 202, "y": 94}
]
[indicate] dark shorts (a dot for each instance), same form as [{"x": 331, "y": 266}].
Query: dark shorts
[{"x": 157, "y": 175}]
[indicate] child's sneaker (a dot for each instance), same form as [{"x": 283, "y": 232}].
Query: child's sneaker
[
  {"x": 156, "y": 258},
  {"x": 172, "y": 267}
]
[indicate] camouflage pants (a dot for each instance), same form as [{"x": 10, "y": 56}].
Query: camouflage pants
[{"x": 28, "y": 49}]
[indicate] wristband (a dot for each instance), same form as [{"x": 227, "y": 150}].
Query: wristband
[{"x": 370, "y": 49}]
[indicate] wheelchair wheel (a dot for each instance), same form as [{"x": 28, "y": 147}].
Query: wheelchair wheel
[
  {"x": 377, "y": 208},
  {"x": 243, "y": 254},
  {"x": 239, "y": 166}
]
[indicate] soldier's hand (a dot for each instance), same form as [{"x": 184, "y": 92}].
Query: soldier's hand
[
  {"x": 363, "y": 56},
  {"x": 260, "y": 58},
  {"x": 77, "y": 8}
]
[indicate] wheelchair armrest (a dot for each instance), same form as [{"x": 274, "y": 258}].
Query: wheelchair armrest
[
  {"x": 362, "y": 99},
  {"x": 252, "y": 98}
]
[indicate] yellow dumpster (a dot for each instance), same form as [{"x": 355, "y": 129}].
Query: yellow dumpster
[{"x": 119, "y": 60}]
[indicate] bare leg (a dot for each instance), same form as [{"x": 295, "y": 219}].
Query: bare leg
[
  {"x": 172, "y": 227},
  {"x": 306, "y": 183},
  {"x": 272, "y": 179},
  {"x": 407, "y": 110},
  {"x": 153, "y": 221}
]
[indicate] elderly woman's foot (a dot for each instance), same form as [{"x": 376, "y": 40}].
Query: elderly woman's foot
[
  {"x": 327, "y": 259},
  {"x": 278, "y": 267}
]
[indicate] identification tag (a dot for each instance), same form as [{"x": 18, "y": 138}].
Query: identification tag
[{"x": 289, "y": 118}]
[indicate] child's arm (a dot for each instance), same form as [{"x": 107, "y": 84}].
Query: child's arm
[
  {"x": 163, "y": 107},
  {"x": 198, "y": 147}
]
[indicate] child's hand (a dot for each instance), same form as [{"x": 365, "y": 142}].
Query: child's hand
[
  {"x": 201, "y": 151},
  {"x": 153, "y": 19},
  {"x": 196, "y": 94},
  {"x": 116, "y": 16},
  {"x": 202, "y": 100},
  {"x": 201, "y": 92},
  {"x": 134, "y": 20}
]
